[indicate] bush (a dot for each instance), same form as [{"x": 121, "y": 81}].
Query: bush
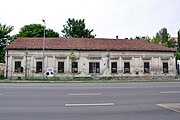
[
  {"x": 1, "y": 76},
  {"x": 178, "y": 55}
]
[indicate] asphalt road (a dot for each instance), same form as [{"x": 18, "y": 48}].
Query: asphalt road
[{"x": 90, "y": 101}]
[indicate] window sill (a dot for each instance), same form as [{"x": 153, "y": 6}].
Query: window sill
[
  {"x": 114, "y": 73},
  {"x": 147, "y": 73},
  {"x": 126, "y": 73},
  {"x": 165, "y": 73},
  {"x": 18, "y": 72},
  {"x": 38, "y": 73}
]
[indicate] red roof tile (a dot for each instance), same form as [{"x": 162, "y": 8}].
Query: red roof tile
[{"x": 86, "y": 44}]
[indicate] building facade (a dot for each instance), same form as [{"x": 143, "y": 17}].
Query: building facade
[
  {"x": 1, "y": 68},
  {"x": 82, "y": 57}
]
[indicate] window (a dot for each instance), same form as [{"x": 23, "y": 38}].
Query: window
[
  {"x": 165, "y": 67},
  {"x": 18, "y": 67},
  {"x": 146, "y": 67},
  {"x": 74, "y": 67},
  {"x": 114, "y": 67},
  {"x": 126, "y": 67},
  {"x": 38, "y": 67},
  {"x": 60, "y": 67},
  {"x": 94, "y": 67}
]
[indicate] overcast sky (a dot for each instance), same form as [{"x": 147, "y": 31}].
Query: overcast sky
[{"x": 108, "y": 18}]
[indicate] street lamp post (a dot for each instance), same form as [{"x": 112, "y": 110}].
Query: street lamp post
[{"x": 43, "y": 49}]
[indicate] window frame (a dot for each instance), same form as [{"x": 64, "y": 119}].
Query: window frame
[
  {"x": 38, "y": 66},
  {"x": 17, "y": 67},
  {"x": 165, "y": 67},
  {"x": 96, "y": 65},
  {"x": 129, "y": 66},
  {"x": 74, "y": 67},
  {"x": 113, "y": 69},
  {"x": 147, "y": 71},
  {"x": 59, "y": 67}
]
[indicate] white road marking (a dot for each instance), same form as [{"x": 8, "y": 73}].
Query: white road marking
[
  {"x": 84, "y": 94},
  {"x": 170, "y": 92},
  {"x": 97, "y": 104}
]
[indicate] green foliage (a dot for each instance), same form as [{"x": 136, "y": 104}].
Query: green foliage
[
  {"x": 76, "y": 29},
  {"x": 72, "y": 56},
  {"x": 179, "y": 38},
  {"x": 147, "y": 38},
  {"x": 178, "y": 55},
  {"x": 5, "y": 39},
  {"x": 36, "y": 30},
  {"x": 1, "y": 77},
  {"x": 51, "y": 33},
  {"x": 163, "y": 35},
  {"x": 163, "y": 38},
  {"x": 171, "y": 43},
  {"x": 156, "y": 40}
]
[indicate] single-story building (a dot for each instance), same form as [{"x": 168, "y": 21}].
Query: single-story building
[{"x": 88, "y": 57}]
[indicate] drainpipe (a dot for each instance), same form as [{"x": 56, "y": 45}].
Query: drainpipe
[
  {"x": 108, "y": 62},
  {"x": 7, "y": 63}
]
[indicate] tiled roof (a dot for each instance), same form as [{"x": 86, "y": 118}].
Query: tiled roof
[{"x": 86, "y": 44}]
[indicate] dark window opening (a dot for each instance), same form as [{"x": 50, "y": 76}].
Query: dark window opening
[
  {"x": 60, "y": 67},
  {"x": 94, "y": 67},
  {"x": 114, "y": 67},
  {"x": 38, "y": 67},
  {"x": 165, "y": 67},
  {"x": 126, "y": 67},
  {"x": 146, "y": 67},
  {"x": 18, "y": 67},
  {"x": 74, "y": 67}
]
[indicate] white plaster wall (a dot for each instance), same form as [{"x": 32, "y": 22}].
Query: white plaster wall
[{"x": 52, "y": 57}]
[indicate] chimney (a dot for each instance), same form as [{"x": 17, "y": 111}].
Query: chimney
[
  {"x": 143, "y": 38},
  {"x": 117, "y": 37}
]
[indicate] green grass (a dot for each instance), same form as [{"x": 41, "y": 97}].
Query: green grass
[{"x": 85, "y": 80}]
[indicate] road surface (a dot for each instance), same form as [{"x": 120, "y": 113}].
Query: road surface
[{"x": 90, "y": 101}]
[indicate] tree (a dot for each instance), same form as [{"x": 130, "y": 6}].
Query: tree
[
  {"x": 147, "y": 38},
  {"x": 163, "y": 35},
  {"x": 5, "y": 39},
  {"x": 76, "y": 29},
  {"x": 36, "y": 30},
  {"x": 164, "y": 38},
  {"x": 171, "y": 43},
  {"x": 156, "y": 40},
  {"x": 179, "y": 39}
]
